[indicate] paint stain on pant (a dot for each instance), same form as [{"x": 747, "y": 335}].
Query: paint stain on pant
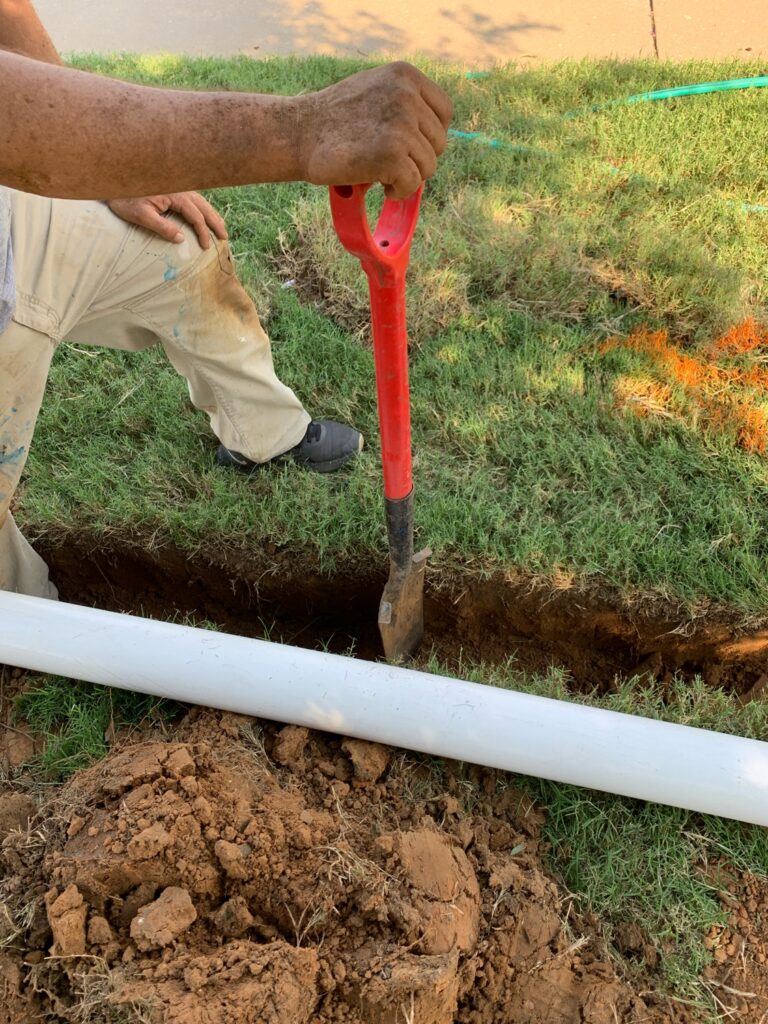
[{"x": 10, "y": 455}]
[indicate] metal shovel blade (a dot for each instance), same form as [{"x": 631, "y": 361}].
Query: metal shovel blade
[{"x": 401, "y": 611}]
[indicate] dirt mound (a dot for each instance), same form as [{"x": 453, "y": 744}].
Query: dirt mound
[{"x": 283, "y": 876}]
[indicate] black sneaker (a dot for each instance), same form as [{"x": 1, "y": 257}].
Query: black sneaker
[{"x": 325, "y": 447}]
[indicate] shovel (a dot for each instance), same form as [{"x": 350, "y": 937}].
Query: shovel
[{"x": 384, "y": 256}]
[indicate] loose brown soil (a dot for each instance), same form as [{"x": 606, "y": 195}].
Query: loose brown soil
[
  {"x": 594, "y": 636},
  {"x": 247, "y": 873}
]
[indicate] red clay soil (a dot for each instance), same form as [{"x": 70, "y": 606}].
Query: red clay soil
[{"x": 279, "y": 876}]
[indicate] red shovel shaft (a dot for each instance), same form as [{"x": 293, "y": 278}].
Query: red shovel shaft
[
  {"x": 384, "y": 256},
  {"x": 390, "y": 347}
]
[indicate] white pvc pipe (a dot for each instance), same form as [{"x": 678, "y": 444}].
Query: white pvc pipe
[{"x": 551, "y": 739}]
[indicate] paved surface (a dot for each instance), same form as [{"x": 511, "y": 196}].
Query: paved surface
[
  {"x": 478, "y": 32},
  {"x": 712, "y": 28}
]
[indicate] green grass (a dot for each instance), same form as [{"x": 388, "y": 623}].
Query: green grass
[
  {"x": 526, "y": 459},
  {"x": 76, "y": 718}
]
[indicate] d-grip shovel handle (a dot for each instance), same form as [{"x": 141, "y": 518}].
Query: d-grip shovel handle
[{"x": 384, "y": 255}]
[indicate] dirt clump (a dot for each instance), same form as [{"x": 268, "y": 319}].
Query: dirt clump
[
  {"x": 67, "y": 914},
  {"x": 160, "y": 922},
  {"x": 287, "y": 877},
  {"x": 16, "y": 811}
]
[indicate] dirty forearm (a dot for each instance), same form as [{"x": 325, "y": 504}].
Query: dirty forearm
[
  {"x": 69, "y": 134},
  {"x": 21, "y": 31}
]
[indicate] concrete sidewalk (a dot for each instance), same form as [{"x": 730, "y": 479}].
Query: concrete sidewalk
[{"x": 475, "y": 33}]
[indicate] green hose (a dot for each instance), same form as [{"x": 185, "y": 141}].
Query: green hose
[
  {"x": 728, "y": 85},
  {"x": 701, "y": 89}
]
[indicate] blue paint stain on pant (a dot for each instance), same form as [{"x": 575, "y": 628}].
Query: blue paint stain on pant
[
  {"x": 170, "y": 270},
  {"x": 8, "y": 455}
]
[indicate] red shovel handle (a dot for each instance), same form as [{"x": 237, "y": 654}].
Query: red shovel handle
[{"x": 384, "y": 255}]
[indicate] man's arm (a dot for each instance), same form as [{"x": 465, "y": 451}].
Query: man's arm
[
  {"x": 21, "y": 31},
  {"x": 74, "y": 135}
]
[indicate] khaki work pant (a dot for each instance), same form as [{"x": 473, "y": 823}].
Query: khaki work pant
[{"x": 85, "y": 276}]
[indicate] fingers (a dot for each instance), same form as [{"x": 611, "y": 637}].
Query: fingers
[
  {"x": 431, "y": 127},
  {"x": 183, "y": 204},
  {"x": 405, "y": 181},
  {"x": 213, "y": 218},
  {"x": 438, "y": 101},
  {"x": 423, "y": 155},
  {"x": 148, "y": 216}
]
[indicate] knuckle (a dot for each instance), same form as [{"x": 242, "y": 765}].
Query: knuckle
[{"x": 404, "y": 69}]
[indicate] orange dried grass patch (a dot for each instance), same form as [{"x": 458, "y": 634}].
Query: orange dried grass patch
[
  {"x": 744, "y": 337},
  {"x": 722, "y": 397}
]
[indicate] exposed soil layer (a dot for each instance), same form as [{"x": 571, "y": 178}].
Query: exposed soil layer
[
  {"x": 595, "y": 637},
  {"x": 269, "y": 874}
]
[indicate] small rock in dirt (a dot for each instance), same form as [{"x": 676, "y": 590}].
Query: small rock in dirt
[
  {"x": 190, "y": 785},
  {"x": 231, "y": 857},
  {"x": 159, "y": 923},
  {"x": 18, "y": 748},
  {"x": 66, "y": 915},
  {"x": 289, "y": 745},
  {"x": 16, "y": 810},
  {"x": 447, "y": 893},
  {"x": 233, "y": 918},
  {"x": 76, "y": 825},
  {"x": 180, "y": 763},
  {"x": 203, "y": 810},
  {"x": 628, "y": 938},
  {"x": 99, "y": 932},
  {"x": 369, "y": 760},
  {"x": 138, "y": 797},
  {"x": 149, "y": 843}
]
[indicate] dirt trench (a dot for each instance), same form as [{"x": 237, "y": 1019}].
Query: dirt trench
[
  {"x": 254, "y": 873},
  {"x": 594, "y": 636}
]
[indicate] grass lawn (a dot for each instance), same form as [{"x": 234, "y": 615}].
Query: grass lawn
[
  {"x": 542, "y": 447},
  {"x": 583, "y": 409}
]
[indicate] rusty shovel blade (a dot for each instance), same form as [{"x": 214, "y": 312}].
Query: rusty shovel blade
[{"x": 401, "y": 611}]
